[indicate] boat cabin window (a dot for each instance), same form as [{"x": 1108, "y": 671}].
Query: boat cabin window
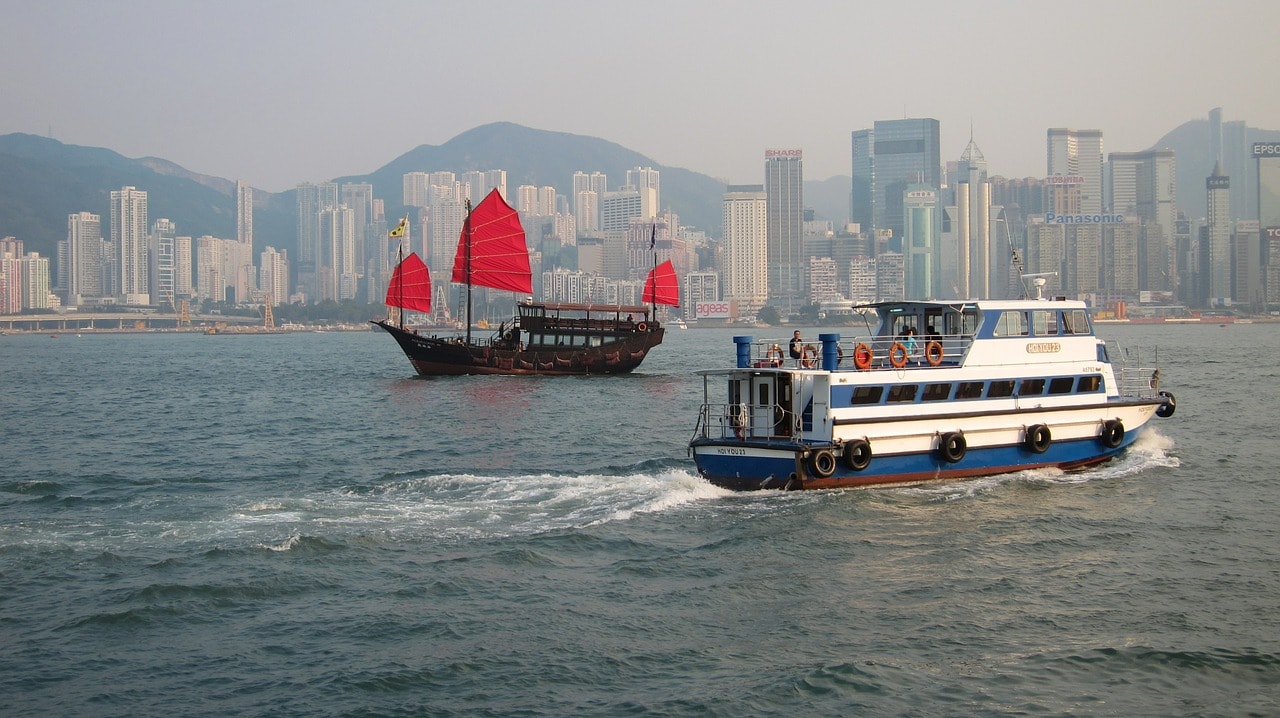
[
  {"x": 969, "y": 390},
  {"x": 1062, "y": 384},
  {"x": 1000, "y": 388},
  {"x": 866, "y": 395},
  {"x": 1075, "y": 321},
  {"x": 936, "y": 392},
  {"x": 960, "y": 323},
  {"x": 902, "y": 393},
  {"x": 1093, "y": 382},
  {"x": 1011, "y": 324},
  {"x": 1046, "y": 321},
  {"x": 1031, "y": 387}
]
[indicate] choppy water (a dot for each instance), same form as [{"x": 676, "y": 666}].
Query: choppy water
[{"x": 293, "y": 525}]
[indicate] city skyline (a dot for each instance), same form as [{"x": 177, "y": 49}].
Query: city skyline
[{"x": 258, "y": 92}]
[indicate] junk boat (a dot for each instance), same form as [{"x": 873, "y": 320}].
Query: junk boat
[
  {"x": 939, "y": 391},
  {"x": 543, "y": 337}
]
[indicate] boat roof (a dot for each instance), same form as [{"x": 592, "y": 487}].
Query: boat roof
[{"x": 980, "y": 304}]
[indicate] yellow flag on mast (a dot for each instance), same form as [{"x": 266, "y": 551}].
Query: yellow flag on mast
[{"x": 400, "y": 228}]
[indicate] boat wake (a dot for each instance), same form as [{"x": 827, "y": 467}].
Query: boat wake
[
  {"x": 468, "y": 507},
  {"x": 1151, "y": 451}
]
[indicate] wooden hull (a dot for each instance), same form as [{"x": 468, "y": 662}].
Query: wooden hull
[{"x": 618, "y": 353}]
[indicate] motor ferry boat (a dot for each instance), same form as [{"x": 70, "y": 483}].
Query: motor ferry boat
[{"x": 937, "y": 391}]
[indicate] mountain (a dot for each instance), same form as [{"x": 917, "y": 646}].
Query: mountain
[
  {"x": 1195, "y": 157},
  {"x": 544, "y": 158}
]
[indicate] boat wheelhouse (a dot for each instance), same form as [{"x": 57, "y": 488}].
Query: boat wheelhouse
[{"x": 936, "y": 391}]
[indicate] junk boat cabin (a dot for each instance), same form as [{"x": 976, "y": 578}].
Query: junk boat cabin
[{"x": 939, "y": 391}]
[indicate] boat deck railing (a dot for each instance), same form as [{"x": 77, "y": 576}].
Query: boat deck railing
[
  {"x": 746, "y": 422},
  {"x": 873, "y": 353},
  {"x": 1136, "y": 377}
]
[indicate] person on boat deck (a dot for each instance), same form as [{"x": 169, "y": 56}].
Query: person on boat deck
[
  {"x": 774, "y": 356},
  {"x": 796, "y": 346},
  {"x": 911, "y": 343}
]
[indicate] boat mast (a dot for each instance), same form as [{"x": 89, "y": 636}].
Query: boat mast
[
  {"x": 400, "y": 286},
  {"x": 653, "y": 276},
  {"x": 467, "y": 271}
]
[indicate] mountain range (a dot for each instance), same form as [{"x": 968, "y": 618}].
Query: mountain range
[{"x": 43, "y": 180}]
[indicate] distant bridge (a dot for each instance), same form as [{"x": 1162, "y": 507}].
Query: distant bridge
[{"x": 114, "y": 321}]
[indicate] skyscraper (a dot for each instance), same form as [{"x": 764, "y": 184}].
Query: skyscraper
[
  {"x": 1078, "y": 153},
  {"x": 84, "y": 257},
  {"x": 784, "y": 190},
  {"x": 746, "y": 251},
  {"x": 894, "y": 154},
  {"x": 978, "y": 258},
  {"x": 1218, "y": 230},
  {"x": 1145, "y": 185},
  {"x": 1266, "y": 158},
  {"x": 244, "y": 213},
  {"x": 129, "y": 235},
  {"x": 161, "y": 243}
]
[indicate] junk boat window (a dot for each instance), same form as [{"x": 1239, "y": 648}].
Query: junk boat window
[
  {"x": 969, "y": 390},
  {"x": 1062, "y": 384}
]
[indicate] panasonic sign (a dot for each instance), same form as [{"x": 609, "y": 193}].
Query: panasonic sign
[{"x": 1051, "y": 218}]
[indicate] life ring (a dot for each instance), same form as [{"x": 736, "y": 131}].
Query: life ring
[
  {"x": 822, "y": 463},
  {"x": 1038, "y": 438},
  {"x": 507, "y": 335},
  {"x": 774, "y": 356},
  {"x": 642, "y": 327},
  {"x": 1165, "y": 410},
  {"x": 862, "y": 357},
  {"x": 933, "y": 353},
  {"x": 857, "y": 454},
  {"x": 1112, "y": 434},
  {"x": 808, "y": 356},
  {"x": 898, "y": 355},
  {"x": 952, "y": 446}
]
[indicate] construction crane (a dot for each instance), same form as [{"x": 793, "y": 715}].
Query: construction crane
[{"x": 268, "y": 317}]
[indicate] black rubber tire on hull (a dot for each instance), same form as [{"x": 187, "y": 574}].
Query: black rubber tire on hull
[
  {"x": 822, "y": 463},
  {"x": 952, "y": 447},
  {"x": 857, "y": 454},
  {"x": 1038, "y": 438},
  {"x": 1112, "y": 435}
]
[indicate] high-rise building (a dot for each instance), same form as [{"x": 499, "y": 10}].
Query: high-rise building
[
  {"x": 161, "y": 243},
  {"x": 84, "y": 265},
  {"x": 746, "y": 250},
  {"x": 1144, "y": 185},
  {"x": 977, "y": 257},
  {"x": 273, "y": 276},
  {"x": 182, "y": 267},
  {"x": 1078, "y": 153},
  {"x": 244, "y": 213},
  {"x": 1266, "y": 158},
  {"x": 34, "y": 271},
  {"x": 784, "y": 190},
  {"x": 1230, "y": 144},
  {"x": 129, "y": 230},
  {"x": 1218, "y": 229},
  {"x": 920, "y": 242},
  {"x": 887, "y": 158}
]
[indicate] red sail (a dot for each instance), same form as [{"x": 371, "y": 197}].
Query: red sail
[
  {"x": 498, "y": 258},
  {"x": 410, "y": 286},
  {"x": 662, "y": 286}
]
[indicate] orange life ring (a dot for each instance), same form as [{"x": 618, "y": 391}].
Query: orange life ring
[
  {"x": 933, "y": 353},
  {"x": 808, "y": 356},
  {"x": 774, "y": 356},
  {"x": 898, "y": 355},
  {"x": 642, "y": 327},
  {"x": 862, "y": 357}
]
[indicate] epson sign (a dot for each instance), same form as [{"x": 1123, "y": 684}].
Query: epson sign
[
  {"x": 1266, "y": 149},
  {"x": 1051, "y": 218}
]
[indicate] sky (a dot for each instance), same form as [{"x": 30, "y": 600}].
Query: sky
[{"x": 278, "y": 92}]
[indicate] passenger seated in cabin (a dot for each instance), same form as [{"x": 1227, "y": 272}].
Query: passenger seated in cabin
[{"x": 932, "y": 334}]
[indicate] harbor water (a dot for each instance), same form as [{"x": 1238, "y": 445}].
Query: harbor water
[{"x": 294, "y": 524}]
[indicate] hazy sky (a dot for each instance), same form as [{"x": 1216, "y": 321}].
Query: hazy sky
[{"x": 278, "y": 93}]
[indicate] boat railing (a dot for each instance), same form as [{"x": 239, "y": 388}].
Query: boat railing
[
  {"x": 1136, "y": 377},
  {"x": 869, "y": 353},
  {"x": 746, "y": 422}
]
